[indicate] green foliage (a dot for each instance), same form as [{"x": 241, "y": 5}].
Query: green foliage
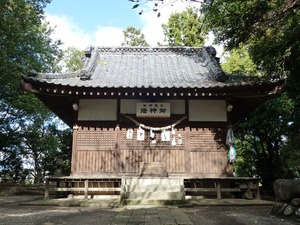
[
  {"x": 238, "y": 61},
  {"x": 27, "y": 129},
  {"x": 72, "y": 59},
  {"x": 25, "y": 45},
  {"x": 45, "y": 146},
  {"x": 185, "y": 29},
  {"x": 24, "y": 38},
  {"x": 262, "y": 143},
  {"x": 134, "y": 37},
  {"x": 158, "y": 4},
  {"x": 271, "y": 31}
]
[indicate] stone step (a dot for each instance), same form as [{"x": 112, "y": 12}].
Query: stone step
[
  {"x": 148, "y": 202},
  {"x": 157, "y": 195},
  {"x": 152, "y": 188},
  {"x": 152, "y": 181}
]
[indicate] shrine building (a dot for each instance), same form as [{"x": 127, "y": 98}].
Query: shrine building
[{"x": 147, "y": 117}]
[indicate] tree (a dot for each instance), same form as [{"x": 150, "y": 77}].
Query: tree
[
  {"x": 271, "y": 34},
  {"x": 185, "y": 29},
  {"x": 238, "y": 61},
  {"x": 261, "y": 143},
  {"x": 72, "y": 59},
  {"x": 25, "y": 45},
  {"x": 158, "y": 4},
  {"x": 134, "y": 37},
  {"x": 45, "y": 146},
  {"x": 25, "y": 42}
]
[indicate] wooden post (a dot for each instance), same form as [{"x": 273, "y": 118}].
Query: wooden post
[
  {"x": 117, "y": 149},
  {"x": 257, "y": 194},
  {"x": 86, "y": 188},
  {"x": 187, "y": 151},
  {"x": 123, "y": 190},
  {"x": 219, "y": 190},
  {"x": 57, "y": 186},
  {"x": 74, "y": 150},
  {"x": 47, "y": 188}
]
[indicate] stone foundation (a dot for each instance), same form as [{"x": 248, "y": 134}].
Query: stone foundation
[{"x": 287, "y": 198}]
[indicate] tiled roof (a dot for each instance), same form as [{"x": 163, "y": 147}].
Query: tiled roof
[
  {"x": 171, "y": 72},
  {"x": 147, "y": 67}
]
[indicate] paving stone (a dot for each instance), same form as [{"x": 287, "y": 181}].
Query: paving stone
[
  {"x": 180, "y": 217},
  {"x": 153, "y": 216}
]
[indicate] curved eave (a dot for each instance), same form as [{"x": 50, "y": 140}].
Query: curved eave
[{"x": 52, "y": 88}]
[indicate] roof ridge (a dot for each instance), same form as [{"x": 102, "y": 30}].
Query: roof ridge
[
  {"x": 84, "y": 73},
  {"x": 90, "y": 65},
  {"x": 61, "y": 75},
  {"x": 149, "y": 49},
  {"x": 209, "y": 55}
]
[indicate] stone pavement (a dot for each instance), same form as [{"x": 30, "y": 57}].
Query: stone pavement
[
  {"x": 152, "y": 216},
  {"x": 23, "y": 210}
]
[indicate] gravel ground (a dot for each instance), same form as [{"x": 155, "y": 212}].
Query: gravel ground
[
  {"x": 234, "y": 215},
  {"x": 11, "y": 213}
]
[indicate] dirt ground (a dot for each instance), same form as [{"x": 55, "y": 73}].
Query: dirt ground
[{"x": 12, "y": 213}]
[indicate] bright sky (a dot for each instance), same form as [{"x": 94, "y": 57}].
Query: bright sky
[{"x": 80, "y": 23}]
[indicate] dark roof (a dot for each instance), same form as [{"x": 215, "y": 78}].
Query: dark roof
[
  {"x": 192, "y": 71},
  {"x": 147, "y": 67}
]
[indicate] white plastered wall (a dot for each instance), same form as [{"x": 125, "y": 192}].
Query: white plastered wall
[
  {"x": 97, "y": 109},
  {"x": 207, "y": 110}
]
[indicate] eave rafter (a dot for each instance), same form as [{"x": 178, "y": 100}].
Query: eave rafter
[{"x": 240, "y": 91}]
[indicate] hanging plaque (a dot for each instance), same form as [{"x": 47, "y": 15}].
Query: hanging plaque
[{"x": 153, "y": 109}]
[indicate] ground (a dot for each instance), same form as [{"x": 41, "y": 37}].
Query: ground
[{"x": 14, "y": 210}]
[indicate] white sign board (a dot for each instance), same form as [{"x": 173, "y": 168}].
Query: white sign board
[{"x": 153, "y": 109}]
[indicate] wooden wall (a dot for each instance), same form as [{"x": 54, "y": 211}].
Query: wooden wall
[{"x": 107, "y": 151}]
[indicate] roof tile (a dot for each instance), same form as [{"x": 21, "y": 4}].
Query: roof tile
[{"x": 147, "y": 67}]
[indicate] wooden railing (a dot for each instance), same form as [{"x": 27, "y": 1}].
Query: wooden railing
[
  {"x": 248, "y": 186},
  {"x": 87, "y": 186}
]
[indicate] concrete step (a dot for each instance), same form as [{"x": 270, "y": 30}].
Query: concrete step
[
  {"x": 147, "y": 202},
  {"x": 152, "y": 188},
  {"x": 157, "y": 195},
  {"x": 152, "y": 181}
]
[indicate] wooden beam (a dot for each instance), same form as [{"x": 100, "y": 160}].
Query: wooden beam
[{"x": 89, "y": 189}]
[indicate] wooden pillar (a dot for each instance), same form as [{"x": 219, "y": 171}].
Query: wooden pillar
[
  {"x": 257, "y": 194},
  {"x": 187, "y": 150},
  {"x": 86, "y": 188},
  {"x": 74, "y": 150},
  {"x": 219, "y": 196},
  {"x": 117, "y": 150},
  {"x": 47, "y": 188}
]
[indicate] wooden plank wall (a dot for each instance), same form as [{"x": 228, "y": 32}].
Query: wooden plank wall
[
  {"x": 98, "y": 152},
  {"x": 208, "y": 151},
  {"x": 95, "y": 150},
  {"x": 133, "y": 152}
]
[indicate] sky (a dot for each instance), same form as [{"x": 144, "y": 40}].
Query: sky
[{"x": 81, "y": 23}]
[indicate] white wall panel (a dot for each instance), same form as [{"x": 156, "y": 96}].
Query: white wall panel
[
  {"x": 207, "y": 110},
  {"x": 97, "y": 109}
]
